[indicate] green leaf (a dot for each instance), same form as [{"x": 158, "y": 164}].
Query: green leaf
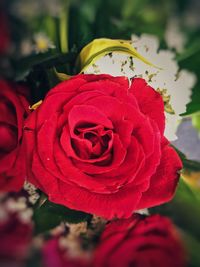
[
  {"x": 81, "y": 24},
  {"x": 194, "y": 105},
  {"x": 193, "y": 248},
  {"x": 190, "y": 165},
  {"x": 48, "y": 215},
  {"x": 190, "y": 60},
  {"x": 44, "y": 61},
  {"x": 25, "y": 65},
  {"x": 45, "y": 221},
  {"x": 192, "y": 50},
  {"x": 191, "y": 109},
  {"x": 129, "y": 7}
]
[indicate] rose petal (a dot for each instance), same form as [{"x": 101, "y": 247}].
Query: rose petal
[
  {"x": 150, "y": 102},
  {"x": 105, "y": 205},
  {"x": 164, "y": 181}
]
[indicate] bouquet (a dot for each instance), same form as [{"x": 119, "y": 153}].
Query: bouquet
[{"x": 93, "y": 108}]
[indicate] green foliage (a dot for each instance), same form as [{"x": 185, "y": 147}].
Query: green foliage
[
  {"x": 190, "y": 165},
  {"x": 190, "y": 59},
  {"x": 49, "y": 215},
  {"x": 196, "y": 121},
  {"x": 193, "y": 248}
]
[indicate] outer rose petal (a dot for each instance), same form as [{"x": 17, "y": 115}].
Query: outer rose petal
[
  {"x": 108, "y": 206},
  {"x": 150, "y": 102},
  {"x": 162, "y": 188}
]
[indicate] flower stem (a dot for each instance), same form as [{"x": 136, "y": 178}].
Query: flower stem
[{"x": 64, "y": 28}]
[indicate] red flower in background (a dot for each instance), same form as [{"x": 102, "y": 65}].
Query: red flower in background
[
  {"x": 55, "y": 256},
  {"x": 96, "y": 144},
  {"x": 140, "y": 242},
  {"x": 15, "y": 236},
  {"x": 4, "y": 32},
  {"x": 13, "y": 111}
]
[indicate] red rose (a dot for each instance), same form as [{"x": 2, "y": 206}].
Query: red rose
[
  {"x": 13, "y": 110},
  {"x": 96, "y": 144},
  {"x": 53, "y": 255},
  {"x": 15, "y": 237},
  {"x": 140, "y": 242}
]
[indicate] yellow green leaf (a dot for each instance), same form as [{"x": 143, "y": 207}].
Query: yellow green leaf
[
  {"x": 63, "y": 76},
  {"x": 103, "y": 46}
]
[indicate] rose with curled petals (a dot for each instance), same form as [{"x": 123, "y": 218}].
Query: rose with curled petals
[
  {"x": 140, "y": 242},
  {"x": 13, "y": 111},
  {"x": 96, "y": 145}
]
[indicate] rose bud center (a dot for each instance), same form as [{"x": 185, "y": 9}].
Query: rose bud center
[{"x": 93, "y": 141}]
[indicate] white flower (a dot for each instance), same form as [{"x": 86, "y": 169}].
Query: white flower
[
  {"x": 175, "y": 85},
  {"x": 42, "y": 43}
]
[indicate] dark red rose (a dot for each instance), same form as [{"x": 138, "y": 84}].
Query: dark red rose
[
  {"x": 53, "y": 255},
  {"x": 140, "y": 242},
  {"x": 13, "y": 110},
  {"x": 4, "y": 32},
  {"x": 15, "y": 236},
  {"x": 96, "y": 144}
]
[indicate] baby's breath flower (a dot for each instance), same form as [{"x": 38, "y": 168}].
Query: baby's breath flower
[
  {"x": 14, "y": 205},
  {"x": 78, "y": 228},
  {"x": 32, "y": 192},
  {"x": 18, "y": 206},
  {"x": 72, "y": 244},
  {"x": 26, "y": 215}
]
